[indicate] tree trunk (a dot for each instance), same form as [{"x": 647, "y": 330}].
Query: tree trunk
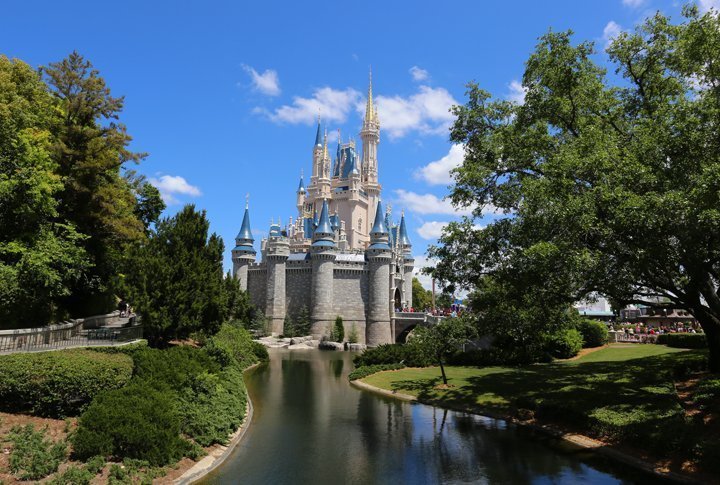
[
  {"x": 442, "y": 371},
  {"x": 712, "y": 333}
]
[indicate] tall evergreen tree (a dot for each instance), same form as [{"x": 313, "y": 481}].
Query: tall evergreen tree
[{"x": 175, "y": 280}]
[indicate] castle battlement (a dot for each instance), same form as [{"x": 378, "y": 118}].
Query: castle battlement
[{"x": 335, "y": 263}]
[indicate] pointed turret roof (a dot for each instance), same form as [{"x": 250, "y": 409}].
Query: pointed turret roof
[
  {"x": 404, "y": 239},
  {"x": 318, "y": 135},
  {"x": 245, "y": 232},
  {"x": 379, "y": 227},
  {"x": 369, "y": 113},
  {"x": 324, "y": 232},
  {"x": 301, "y": 185}
]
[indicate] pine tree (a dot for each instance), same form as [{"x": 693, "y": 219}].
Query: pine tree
[{"x": 338, "y": 333}]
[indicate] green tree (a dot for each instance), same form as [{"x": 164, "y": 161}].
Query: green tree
[
  {"x": 302, "y": 322},
  {"x": 90, "y": 149},
  {"x": 338, "y": 332},
  {"x": 610, "y": 183},
  {"x": 443, "y": 339},
  {"x": 239, "y": 308},
  {"x": 41, "y": 254},
  {"x": 175, "y": 280},
  {"x": 421, "y": 297}
]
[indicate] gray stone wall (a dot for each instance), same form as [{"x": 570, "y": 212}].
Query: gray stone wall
[
  {"x": 298, "y": 283},
  {"x": 350, "y": 290},
  {"x": 275, "y": 301},
  {"x": 321, "y": 308},
  {"x": 378, "y": 324},
  {"x": 257, "y": 276}
]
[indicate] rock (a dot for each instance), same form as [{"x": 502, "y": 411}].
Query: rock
[
  {"x": 325, "y": 345},
  {"x": 312, "y": 343},
  {"x": 300, "y": 346},
  {"x": 357, "y": 347}
]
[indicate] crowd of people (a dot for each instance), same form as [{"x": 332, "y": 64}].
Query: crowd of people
[{"x": 649, "y": 329}]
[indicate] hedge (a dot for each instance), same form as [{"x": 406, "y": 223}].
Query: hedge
[
  {"x": 565, "y": 344},
  {"x": 408, "y": 354},
  {"x": 234, "y": 346},
  {"x": 594, "y": 333},
  {"x": 61, "y": 383},
  {"x": 137, "y": 421},
  {"x": 366, "y": 370},
  {"x": 175, "y": 367},
  {"x": 683, "y": 340}
]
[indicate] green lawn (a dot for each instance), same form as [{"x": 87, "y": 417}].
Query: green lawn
[{"x": 623, "y": 392}]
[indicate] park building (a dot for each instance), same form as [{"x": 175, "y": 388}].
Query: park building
[{"x": 342, "y": 255}]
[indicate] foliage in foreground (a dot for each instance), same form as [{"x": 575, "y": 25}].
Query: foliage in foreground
[
  {"x": 441, "y": 340},
  {"x": 565, "y": 343},
  {"x": 61, "y": 383},
  {"x": 33, "y": 457},
  {"x": 593, "y": 166},
  {"x": 594, "y": 333},
  {"x": 407, "y": 354},
  {"x": 137, "y": 421}
]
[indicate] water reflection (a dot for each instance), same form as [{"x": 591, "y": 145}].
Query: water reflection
[{"x": 310, "y": 426}]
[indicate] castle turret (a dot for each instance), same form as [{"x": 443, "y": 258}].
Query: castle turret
[
  {"x": 370, "y": 134},
  {"x": 317, "y": 155},
  {"x": 323, "y": 254},
  {"x": 277, "y": 251},
  {"x": 301, "y": 194},
  {"x": 379, "y": 256},
  {"x": 243, "y": 253},
  {"x": 405, "y": 248}
]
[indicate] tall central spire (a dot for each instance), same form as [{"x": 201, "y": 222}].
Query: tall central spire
[{"x": 369, "y": 115}]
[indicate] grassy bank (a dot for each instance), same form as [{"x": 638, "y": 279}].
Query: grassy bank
[{"x": 622, "y": 394}]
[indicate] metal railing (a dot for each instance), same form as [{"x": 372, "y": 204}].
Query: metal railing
[
  {"x": 637, "y": 338},
  {"x": 69, "y": 334}
]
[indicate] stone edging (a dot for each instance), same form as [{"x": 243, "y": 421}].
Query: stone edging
[
  {"x": 210, "y": 462},
  {"x": 582, "y": 441}
]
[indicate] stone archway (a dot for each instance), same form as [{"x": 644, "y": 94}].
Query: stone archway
[{"x": 397, "y": 299}]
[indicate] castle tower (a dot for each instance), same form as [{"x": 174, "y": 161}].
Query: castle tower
[
  {"x": 408, "y": 262},
  {"x": 370, "y": 135},
  {"x": 317, "y": 156},
  {"x": 243, "y": 253},
  {"x": 379, "y": 256},
  {"x": 323, "y": 254},
  {"x": 301, "y": 193},
  {"x": 277, "y": 252}
]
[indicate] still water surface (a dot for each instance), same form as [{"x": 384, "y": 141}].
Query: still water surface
[{"x": 310, "y": 426}]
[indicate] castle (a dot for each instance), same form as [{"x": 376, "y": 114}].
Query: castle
[{"x": 335, "y": 263}]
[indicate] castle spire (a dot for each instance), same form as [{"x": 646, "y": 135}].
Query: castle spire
[
  {"x": 404, "y": 239},
  {"x": 318, "y": 139},
  {"x": 369, "y": 110},
  {"x": 245, "y": 238},
  {"x": 323, "y": 235},
  {"x": 301, "y": 186}
]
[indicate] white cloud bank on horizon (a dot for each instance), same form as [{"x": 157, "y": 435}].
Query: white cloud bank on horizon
[
  {"x": 170, "y": 186},
  {"x": 267, "y": 83},
  {"x": 425, "y": 112},
  {"x": 612, "y": 29},
  {"x": 427, "y": 204},
  {"x": 329, "y": 103},
  {"x": 517, "y": 92}
]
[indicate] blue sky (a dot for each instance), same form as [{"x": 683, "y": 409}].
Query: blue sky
[{"x": 223, "y": 94}]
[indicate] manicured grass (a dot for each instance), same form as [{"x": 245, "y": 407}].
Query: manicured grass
[{"x": 621, "y": 393}]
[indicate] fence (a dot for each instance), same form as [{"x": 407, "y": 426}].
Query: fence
[
  {"x": 71, "y": 334},
  {"x": 637, "y": 338}
]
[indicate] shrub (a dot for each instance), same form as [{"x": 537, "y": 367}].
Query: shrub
[
  {"x": 476, "y": 357},
  {"x": 33, "y": 457},
  {"x": 594, "y": 333},
  {"x": 338, "y": 332},
  {"x": 174, "y": 367},
  {"x": 708, "y": 393},
  {"x": 61, "y": 383},
  {"x": 260, "y": 351},
  {"x": 234, "y": 346},
  {"x": 353, "y": 337},
  {"x": 366, "y": 370},
  {"x": 128, "y": 349},
  {"x": 137, "y": 421},
  {"x": 74, "y": 476},
  {"x": 683, "y": 340},
  {"x": 407, "y": 354},
  {"x": 564, "y": 344},
  {"x": 213, "y": 406}
]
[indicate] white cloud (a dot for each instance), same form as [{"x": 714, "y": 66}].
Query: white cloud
[
  {"x": 418, "y": 74},
  {"x": 432, "y": 230},
  {"x": 438, "y": 172},
  {"x": 420, "y": 263},
  {"x": 427, "y": 204},
  {"x": 331, "y": 104},
  {"x": 634, "y": 3},
  {"x": 172, "y": 185},
  {"x": 706, "y": 5},
  {"x": 267, "y": 82},
  {"x": 427, "y": 111},
  {"x": 611, "y": 30},
  {"x": 517, "y": 92}
]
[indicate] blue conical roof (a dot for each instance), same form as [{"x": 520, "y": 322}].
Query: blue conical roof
[
  {"x": 245, "y": 233},
  {"x": 324, "y": 226},
  {"x": 301, "y": 186},
  {"x": 404, "y": 239},
  {"x": 318, "y": 136},
  {"x": 379, "y": 227}
]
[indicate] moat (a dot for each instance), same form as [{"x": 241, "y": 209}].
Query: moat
[{"x": 311, "y": 426}]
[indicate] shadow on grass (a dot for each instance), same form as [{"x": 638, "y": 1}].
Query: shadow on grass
[{"x": 632, "y": 400}]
